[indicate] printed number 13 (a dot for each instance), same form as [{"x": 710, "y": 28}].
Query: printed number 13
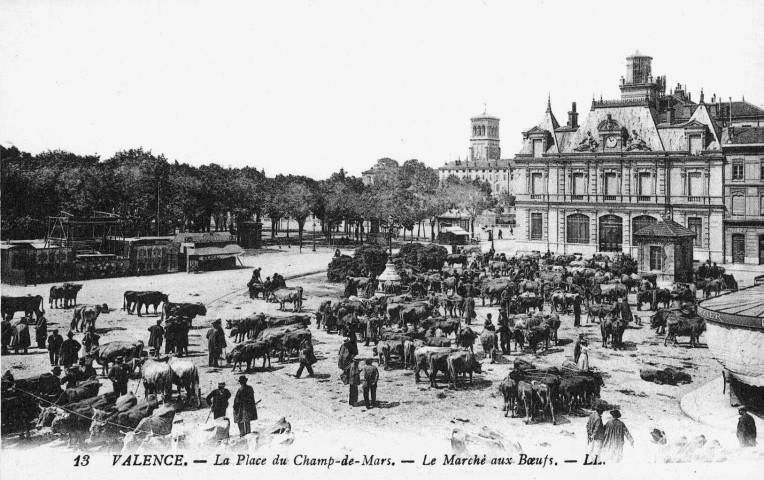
[{"x": 81, "y": 460}]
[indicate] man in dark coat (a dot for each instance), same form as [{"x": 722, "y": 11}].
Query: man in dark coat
[
  {"x": 354, "y": 381},
  {"x": 91, "y": 339},
  {"x": 370, "y": 379},
  {"x": 346, "y": 354},
  {"x": 119, "y": 376},
  {"x": 6, "y": 333},
  {"x": 181, "y": 340},
  {"x": 244, "y": 407},
  {"x": 504, "y": 334},
  {"x": 469, "y": 310},
  {"x": 746, "y": 429},
  {"x": 577, "y": 312},
  {"x": 215, "y": 343},
  {"x": 69, "y": 350},
  {"x": 171, "y": 336},
  {"x": 41, "y": 332},
  {"x": 217, "y": 400},
  {"x": 613, "y": 438},
  {"x": 156, "y": 336},
  {"x": 54, "y": 346},
  {"x": 307, "y": 358},
  {"x": 580, "y": 341}
]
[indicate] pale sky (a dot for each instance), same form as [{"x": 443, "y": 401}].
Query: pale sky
[{"x": 309, "y": 87}]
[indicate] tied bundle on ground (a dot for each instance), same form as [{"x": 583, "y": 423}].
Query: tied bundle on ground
[
  {"x": 366, "y": 259},
  {"x": 418, "y": 256}
]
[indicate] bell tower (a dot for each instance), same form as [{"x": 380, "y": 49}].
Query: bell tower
[
  {"x": 484, "y": 142},
  {"x": 639, "y": 82}
]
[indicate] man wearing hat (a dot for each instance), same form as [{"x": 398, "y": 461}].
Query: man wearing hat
[
  {"x": 355, "y": 380},
  {"x": 595, "y": 430},
  {"x": 370, "y": 379},
  {"x": 746, "y": 429},
  {"x": 156, "y": 335},
  {"x": 54, "y": 346},
  {"x": 41, "y": 332},
  {"x": 612, "y": 441},
  {"x": 69, "y": 350},
  {"x": 215, "y": 343},
  {"x": 244, "y": 407},
  {"x": 577, "y": 311},
  {"x": 217, "y": 400},
  {"x": 307, "y": 358},
  {"x": 119, "y": 376}
]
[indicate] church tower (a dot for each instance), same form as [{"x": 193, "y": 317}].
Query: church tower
[{"x": 484, "y": 142}]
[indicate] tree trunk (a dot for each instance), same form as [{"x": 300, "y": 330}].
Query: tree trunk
[{"x": 300, "y": 226}]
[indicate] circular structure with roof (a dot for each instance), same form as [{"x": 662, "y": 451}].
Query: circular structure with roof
[{"x": 735, "y": 332}]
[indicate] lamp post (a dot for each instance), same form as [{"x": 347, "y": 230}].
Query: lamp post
[{"x": 314, "y": 234}]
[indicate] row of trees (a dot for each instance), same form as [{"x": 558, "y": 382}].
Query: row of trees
[{"x": 157, "y": 196}]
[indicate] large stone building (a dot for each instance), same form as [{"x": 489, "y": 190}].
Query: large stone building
[
  {"x": 587, "y": 188},
  {"x": 484, "y": 160},
  {"x": 744, "y": 194}
]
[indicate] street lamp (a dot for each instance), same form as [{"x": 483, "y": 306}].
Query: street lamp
[{"x": 314, "y": 234}]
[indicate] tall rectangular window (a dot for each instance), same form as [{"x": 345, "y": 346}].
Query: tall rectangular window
[
  {"x": 696, "y": 144},
  {"x": 738, "y": 205},
  {"x": 537, "y": 185},
  {"x": 579, "y": 184},
  {"x": 737, "y": 171},
  {"x": 537, "y": 226},
  {"x": 696, "y": 225},
  {"x": 694, "y": 184},
  {"x": 656, "y": 257},
  {"x": 645, "y": 184},
  {"x": 538, "y": 147},
  {"x": 611, "y": 184}
]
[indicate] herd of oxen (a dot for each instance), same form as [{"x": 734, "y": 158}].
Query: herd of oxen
[{"x": 424, "y": 322}]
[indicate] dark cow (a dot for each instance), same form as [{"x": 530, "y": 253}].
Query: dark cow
[
  {"x": 150, "y": 298},
  {"x": 66, "y": 292},
  {"x": 462, "y": 363},
  {"x": 107, "y": 425},
  {"x": 536, "y": 335},
  {"x": 493, "y": 289},
  {"x": 599, "y": 311},
  {"x": 188, "y": 311},
  {"x": 28, "y": 304},
  {"x": 456, "y": 258},
  {"x": 658, "y": 320},
  {"x": 289, "y": 295},
  {"x": 247, "y": 353},
  {"x": 432, "y": 360},
  {"x": 85, "y": 390},
  {"x": 413, "y": 314},
  {"x": 644, "y": 296},
  {"x": 108, "y": 353},
  {"x": 466, "y": 337},
  {"x": 249, "y": 327},
  {"x": 685, "y": 327},
  {"x": 489, "y": 341},
  {"x": 612, "y": 328},
  {"x": 661, "y": 295}
]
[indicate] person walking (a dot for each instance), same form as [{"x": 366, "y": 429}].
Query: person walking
[
  {"x": 244, "y": 407},
  {"x": 217, "y": 400},
  {"x": 215, "y": 343},
  {"x": 613, "y": 438},
  {"x": 370, "y": 379},
  {"x": 156, "y": 336},
  {"x": 41, "y": 332},
  {"x": 746, "y": 429},
  {"x": 595, "y": 430},
  {"x": 119, "y": 376},
  {"x": 354, "y": 380},
  {"x": 307, "y": 358},
  {"x": 69, "y": 350},
  {"x": 54, "y": 347}
]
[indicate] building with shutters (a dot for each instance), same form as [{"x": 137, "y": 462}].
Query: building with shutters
[
  {"x": 743, "y": 147},
  {"x": 587, "y": 187}
]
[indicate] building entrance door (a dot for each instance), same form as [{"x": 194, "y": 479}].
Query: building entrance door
[
  {"x": 761, "y": 249},
  {"x": 738, "y": 248},
  {"x": 611, "y": 233}
]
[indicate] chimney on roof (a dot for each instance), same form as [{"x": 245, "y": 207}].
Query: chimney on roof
[
  {"x": 702, "y": 102},
  {"x": 573, "y": 116},
  {"x": 670, "y": 113}
]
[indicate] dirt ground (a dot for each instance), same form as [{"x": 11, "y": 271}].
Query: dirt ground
[{"x": 410, "y": 415}]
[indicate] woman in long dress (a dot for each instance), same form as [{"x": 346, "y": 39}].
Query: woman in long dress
[{"x": 583, "y": 360}]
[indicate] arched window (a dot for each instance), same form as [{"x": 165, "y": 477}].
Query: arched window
[
  {"x": 638, "y": 223},
  {"x": 578, "y": 228},
  {"x": 611, "y": 233}
]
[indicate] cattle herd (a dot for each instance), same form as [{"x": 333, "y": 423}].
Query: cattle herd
[{"x": 427, "y": 322}]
